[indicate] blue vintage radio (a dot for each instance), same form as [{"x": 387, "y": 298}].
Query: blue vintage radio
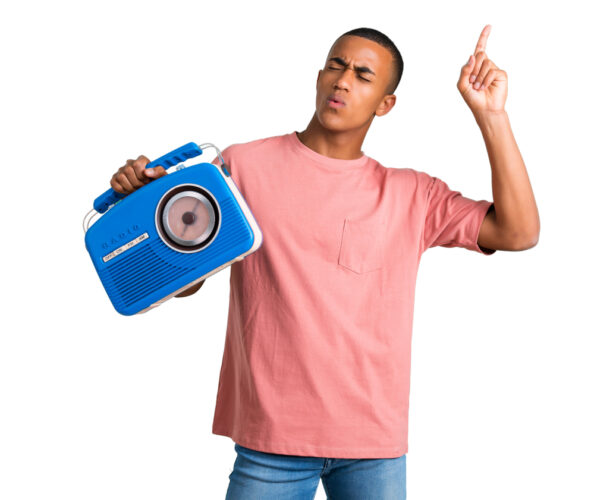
[{"x": 170, "y": 234}]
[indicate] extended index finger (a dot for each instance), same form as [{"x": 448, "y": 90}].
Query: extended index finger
[{"x": 482, "y": 41}]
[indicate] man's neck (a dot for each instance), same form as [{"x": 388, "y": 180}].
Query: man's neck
[{"x": 339, "y": 145}]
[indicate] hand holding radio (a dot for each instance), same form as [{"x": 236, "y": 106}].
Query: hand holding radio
[
  {"x": 164, "y": 240},
  {"x": 133, "y": 175}
]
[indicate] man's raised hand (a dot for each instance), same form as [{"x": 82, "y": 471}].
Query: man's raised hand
[{"x": 482, "y": 84}]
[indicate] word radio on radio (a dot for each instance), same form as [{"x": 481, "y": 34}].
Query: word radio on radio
[
  {"x": 120, "y": 236},
  {"x": 170, "y": 234}
]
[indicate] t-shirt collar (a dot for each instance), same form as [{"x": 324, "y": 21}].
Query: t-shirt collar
[{"x": 334, "y": 163}]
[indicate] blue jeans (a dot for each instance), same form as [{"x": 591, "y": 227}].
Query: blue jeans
[{"x": 268, "y": 476}]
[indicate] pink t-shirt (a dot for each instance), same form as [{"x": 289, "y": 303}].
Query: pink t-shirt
[{"x": 318, "y": 343}]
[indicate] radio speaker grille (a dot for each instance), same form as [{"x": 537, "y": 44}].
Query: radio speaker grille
[{"x": 137, "y": 274}]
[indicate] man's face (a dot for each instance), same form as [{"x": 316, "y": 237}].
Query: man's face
[{"x": 357, "y": 71}]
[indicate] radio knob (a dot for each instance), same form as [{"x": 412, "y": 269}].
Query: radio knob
[{"x": 189, "y": 218}]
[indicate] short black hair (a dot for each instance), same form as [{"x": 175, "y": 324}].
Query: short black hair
[{"x": 384, "y": 41}]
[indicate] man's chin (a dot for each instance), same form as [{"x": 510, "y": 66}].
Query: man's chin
[{"x": 334, "y": 123}]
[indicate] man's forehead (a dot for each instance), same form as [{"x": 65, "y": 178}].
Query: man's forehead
[{"x": 359, "y": 51}]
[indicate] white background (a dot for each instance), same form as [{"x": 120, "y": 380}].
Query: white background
[{"x": 95, "y": 405}]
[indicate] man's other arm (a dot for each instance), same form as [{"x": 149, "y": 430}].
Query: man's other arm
[{"x": 192, "y": 290}]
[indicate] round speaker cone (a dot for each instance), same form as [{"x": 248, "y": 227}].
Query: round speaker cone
[{"x": 188, "y": 218}]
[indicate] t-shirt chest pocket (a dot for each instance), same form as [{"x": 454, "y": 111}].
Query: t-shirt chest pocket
[{"x": 361, "y": 247}]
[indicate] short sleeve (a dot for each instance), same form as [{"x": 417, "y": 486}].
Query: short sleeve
[{"x": 452, "y": 220}]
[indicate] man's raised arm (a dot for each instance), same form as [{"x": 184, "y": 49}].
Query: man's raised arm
[{"x": 514, "y": 224}]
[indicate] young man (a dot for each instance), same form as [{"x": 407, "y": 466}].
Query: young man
[{"x": 314, "y": 380}]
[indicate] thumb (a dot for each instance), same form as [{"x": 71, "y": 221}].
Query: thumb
[
  {"x": 468, "y": 67},
  {"x": 155, "y": 172}
]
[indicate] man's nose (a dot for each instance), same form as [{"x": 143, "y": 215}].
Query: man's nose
[{"x": 345, "y": 78}]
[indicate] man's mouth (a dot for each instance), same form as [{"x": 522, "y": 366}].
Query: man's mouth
[{"x": 335, "y": 102}]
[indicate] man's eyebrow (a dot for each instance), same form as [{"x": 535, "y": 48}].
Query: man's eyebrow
[{"x": 360, "y": 69}]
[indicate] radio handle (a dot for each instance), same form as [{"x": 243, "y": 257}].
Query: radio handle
[{"x": 190, "y": 150}]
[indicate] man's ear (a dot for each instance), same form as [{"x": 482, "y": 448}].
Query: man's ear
[
  {"x": 319, "y": 73},
  {"x": 386, "y": 105}
]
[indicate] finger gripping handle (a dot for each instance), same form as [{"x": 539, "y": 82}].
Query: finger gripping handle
[{"x": 190, "y": 150}]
